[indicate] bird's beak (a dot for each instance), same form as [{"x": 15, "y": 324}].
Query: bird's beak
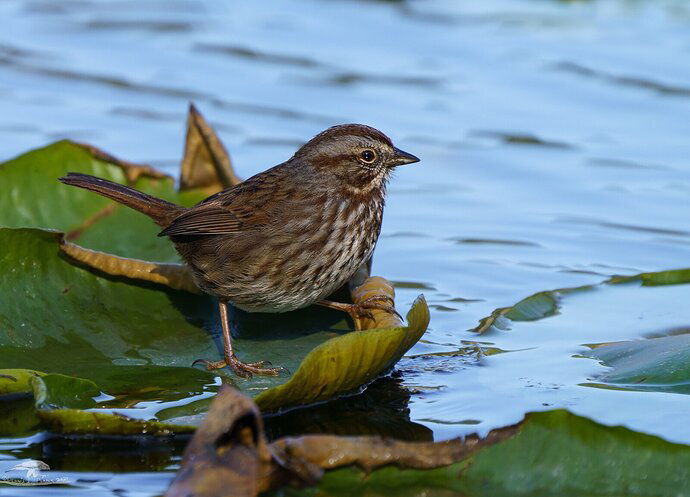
[{"x": 400, "y": 158}]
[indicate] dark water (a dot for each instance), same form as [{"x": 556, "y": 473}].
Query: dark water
[{"x": 554, "y": 146}]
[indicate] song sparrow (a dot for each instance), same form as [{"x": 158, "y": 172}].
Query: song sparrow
[{"x": 285, "y": 238}]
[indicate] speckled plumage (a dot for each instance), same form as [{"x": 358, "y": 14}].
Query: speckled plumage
[
  {"x": 285, "y": 238},
  {"x": 305, "y": 226}
]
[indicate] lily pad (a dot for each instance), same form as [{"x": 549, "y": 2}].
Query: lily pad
[
  {"x": 33, "y": 198},
  {"x": 17, "y": 382},
  {"x": 553, "y": 453},
  {"x": 347, "y": 362},
  {"x": 58, "y": 390},
  {"x": 636, "y": 329},
  {"x": 130, "y": 338},
  {"x": 78, "y": 422},
  {"x": 661, "y": 363}
]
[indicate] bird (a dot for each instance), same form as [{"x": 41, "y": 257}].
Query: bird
[{"x": 285, "y": 238}]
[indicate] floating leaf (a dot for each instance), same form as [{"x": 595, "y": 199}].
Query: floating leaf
[
  {"x": 58, "y": 390},
  {"x": 122, "y": 323},
  {"x": 347, "y": 362},
  {"x": 17, "y": 381},
  {"x": 131, "y": 338},
  {"x": 553, "y": 453},
  {"x": 230, "y": 456},
  {"x": 657, "y": 363},
  {"x": 32, "y": 197},
  {"x": 671, "y": 277},
  {"x": 548, "y": 453},
  {"x": 532, "y": 308},
  {"x": 78, "y": 422}
]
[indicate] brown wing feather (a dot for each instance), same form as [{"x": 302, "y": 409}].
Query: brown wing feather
[{"x": 209, "y": 221}]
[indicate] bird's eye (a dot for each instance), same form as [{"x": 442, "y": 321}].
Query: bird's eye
[{"x": 368, "y": 156}]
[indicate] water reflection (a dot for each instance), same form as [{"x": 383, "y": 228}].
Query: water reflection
[{"x": 380, "y": 410}]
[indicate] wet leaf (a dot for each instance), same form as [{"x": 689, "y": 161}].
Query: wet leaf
[
  {"x": 78, "y": 422},
  {"x": 548, "y": 453},
  {"x": 553, "y": 453},
  {"x": 133, "y": 338},
  {"x": 229, "y": 455},
  {"x": 17, "y": 381},
  {"x": 653, "y": 364},
  {"x": 671, "y": 277},
  {"x": 123, "y": 324},
  {"x": 57, "y": 390},
  {"x": 48, "y": 390},
  {"x": 657, "y": 360},
  {"x": 532, "y": 308},
  {"x": 347, "y": 362}
]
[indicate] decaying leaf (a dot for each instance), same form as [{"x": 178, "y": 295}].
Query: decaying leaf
[
  {"x": 206, "y": 163},
  {"x": 230, "y": 457},
  {"x": 170, "y": 274}
]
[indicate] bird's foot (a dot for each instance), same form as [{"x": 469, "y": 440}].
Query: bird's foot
[
  {"x": 362, "y": 310},
  {"x": 242, "y": 369}
]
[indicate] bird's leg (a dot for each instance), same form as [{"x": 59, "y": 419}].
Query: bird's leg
[
  {"x": 362, "y": 309},
  {"x": 243, "y": 369}
]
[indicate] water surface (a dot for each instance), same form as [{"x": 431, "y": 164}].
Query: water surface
[{"x": 554, "y": 146}]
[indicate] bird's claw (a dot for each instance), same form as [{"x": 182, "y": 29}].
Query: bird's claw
[
  {"x": 242, "y": 369},
  {"x": 379, "y": 302}
]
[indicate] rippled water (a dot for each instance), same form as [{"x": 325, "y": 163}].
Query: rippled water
[{"x": 554, "y": 146}]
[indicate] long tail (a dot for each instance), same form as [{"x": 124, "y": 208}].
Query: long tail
[{"x": 161, "y": 211}]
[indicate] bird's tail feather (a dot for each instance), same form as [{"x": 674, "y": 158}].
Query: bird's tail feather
[{"x": 161, "y": 211}]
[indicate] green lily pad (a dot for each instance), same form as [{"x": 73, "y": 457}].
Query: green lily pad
[
  {"x": 657, "y": 363},
  {"x": 137, "y": 341},
  {"x": 532, "y": 308},
  {"x": 58, "y": 390},
  {"x": 34, "y": 198},
  {"x": 552, "y": 453},
  {"x": 658, "y": 360},
  {"x": 671, "y": 277},
  {"x": 78, "y": 422}
]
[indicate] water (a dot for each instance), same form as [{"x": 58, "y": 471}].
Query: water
[{"x": 554, "y": 146}]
